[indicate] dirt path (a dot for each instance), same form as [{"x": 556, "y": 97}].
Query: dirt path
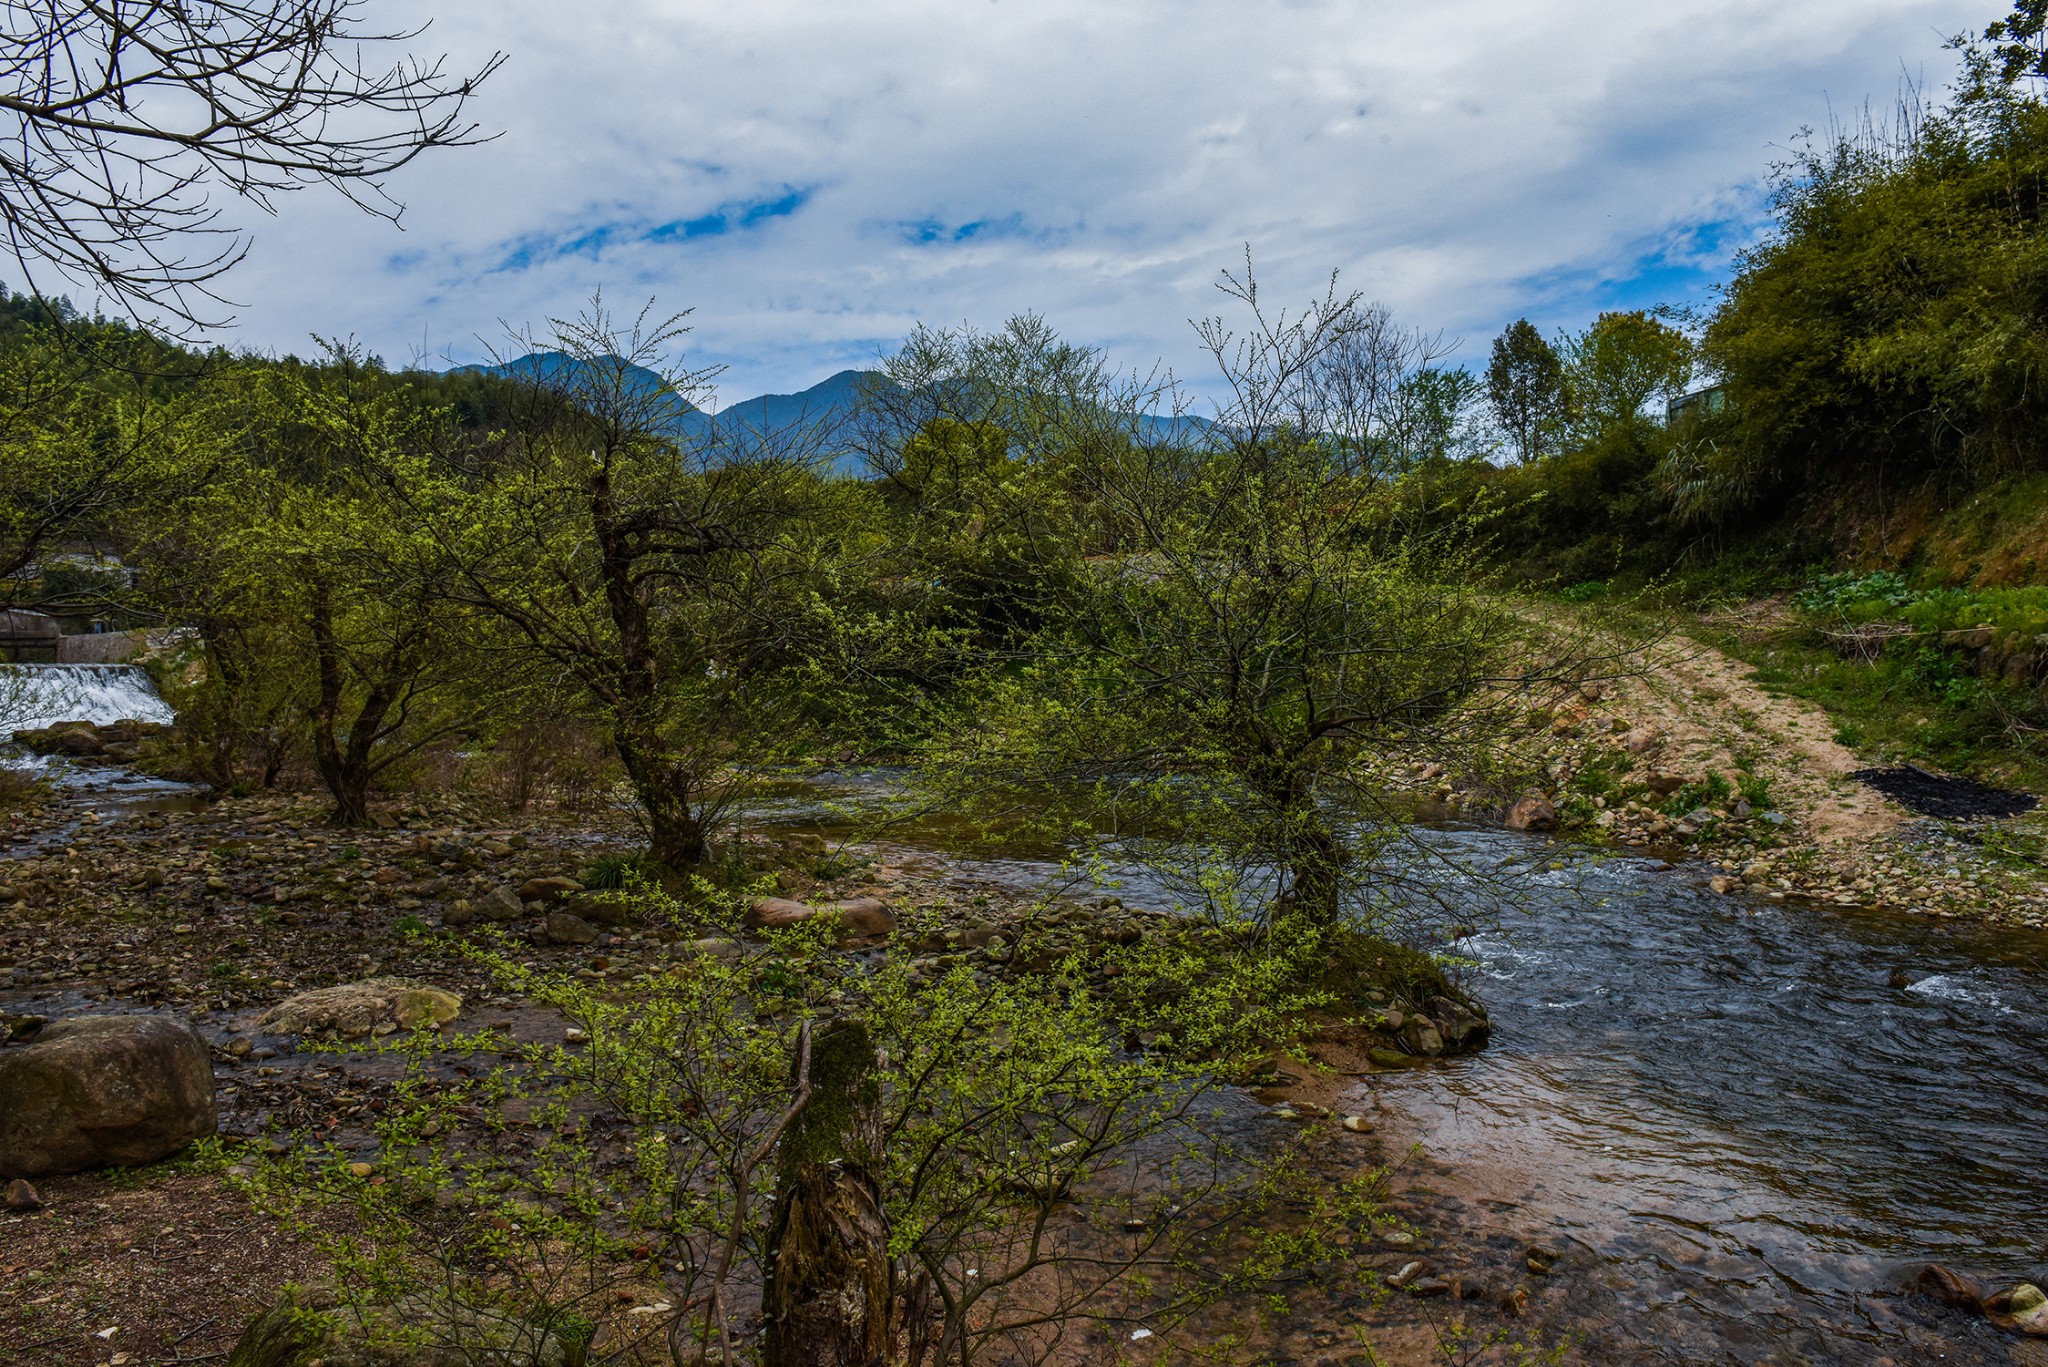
[{"x": 1714, "y": 717}]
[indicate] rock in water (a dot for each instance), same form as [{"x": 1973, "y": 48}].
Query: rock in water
[
  {"x": 1948, "y": 1287},
  {"x": 356, "y": 1009},
  {"x": 2022, "y": 1310},
  {"x": 1532, "y": 813},
  {"x": 103, "y": 1091}
]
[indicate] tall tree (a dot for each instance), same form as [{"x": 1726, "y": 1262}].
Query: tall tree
[
  {"x": 662, "y": 566},
  {"x": 1621, "y": 363},
  {"x": 1525, "y": 384},
  {"x": 319, "y": 599},
  {"x": 1222, "y": 681}
]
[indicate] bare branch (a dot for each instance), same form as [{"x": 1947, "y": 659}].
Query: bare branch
[{"x": 118, "y": 118}]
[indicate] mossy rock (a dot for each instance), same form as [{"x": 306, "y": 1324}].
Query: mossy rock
[{"x": 309, "y": 1330}]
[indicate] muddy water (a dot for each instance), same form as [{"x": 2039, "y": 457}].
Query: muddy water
[{"x": 1740, "y": 1133}]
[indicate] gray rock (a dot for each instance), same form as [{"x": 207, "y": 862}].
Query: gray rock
[
  {"x": 601, "y": 908},
  {"x": 500, "y": 904},
  {"x": 1422, "y": 1039},
  {"x": 103, "y": 1091},
  {"x": 373, "y": 1006},
  {"x": 566, "y": 928},
  {"x": 1641, "y": 739}
]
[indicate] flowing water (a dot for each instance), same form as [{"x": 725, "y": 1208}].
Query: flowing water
[
  {"x": 34, "y": 696},
  {"x": 1742, "y": 1134},
  {"x": 1726, "y": 1102}
]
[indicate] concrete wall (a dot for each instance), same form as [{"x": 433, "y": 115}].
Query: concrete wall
[{"x": 101, "y": 647}]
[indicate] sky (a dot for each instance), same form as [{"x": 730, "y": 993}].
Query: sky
[{"x": 815, "y": 177}]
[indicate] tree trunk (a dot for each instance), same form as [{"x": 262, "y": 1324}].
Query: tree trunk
[
  {"x": 347, "y": 783},
  {"x": 830, "y": 1298},
  {"x": 1314, "y": 858},
  {"x": 1316, "y": 876},
  {"x": 674, "y": 833}
]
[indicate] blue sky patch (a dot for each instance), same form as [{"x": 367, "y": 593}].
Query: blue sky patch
[
  {"x": 933, "y": 230},
  {"x": 541, "y": 248}
]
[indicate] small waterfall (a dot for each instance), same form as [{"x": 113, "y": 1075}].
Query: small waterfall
[{"x": 33, "y": 696}]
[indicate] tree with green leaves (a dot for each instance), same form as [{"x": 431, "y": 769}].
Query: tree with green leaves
[
  {"x": 1842, "y": 368},
  {"x": 1620, "y": 364},
  {"x": 2019, "y": 42},
  {"x": 1525, "y": 385},
  {"x": 319, "y": 601},
  {"x": 738, "y": 1126},
  {"x": 1215, "y": 691},
  {"x": 671, "y": 573},
  {"x": 82, "y": 444}
]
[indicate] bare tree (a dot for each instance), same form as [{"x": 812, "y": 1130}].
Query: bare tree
[{"x": 126, "y": 114}]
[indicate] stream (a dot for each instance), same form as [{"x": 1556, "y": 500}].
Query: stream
[
  {"x": 1728, "y": 1105},
  {"x": 1745, "y": 1138}
]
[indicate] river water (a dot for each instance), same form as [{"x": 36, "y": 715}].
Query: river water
[
  {"x": 1727, "y": 1105},
  {"x": 1743, "y": 1136}
]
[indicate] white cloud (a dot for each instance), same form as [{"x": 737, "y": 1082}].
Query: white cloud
[{"x": 1465, "y": 162}]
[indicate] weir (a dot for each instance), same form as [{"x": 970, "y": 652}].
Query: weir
[{"x": 39, "y": 695}]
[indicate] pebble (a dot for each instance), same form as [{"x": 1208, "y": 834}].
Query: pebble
[{"x": 22, "y": 1197}]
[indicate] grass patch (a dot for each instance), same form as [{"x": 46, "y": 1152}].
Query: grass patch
[{"x": 1904, "y": 707}]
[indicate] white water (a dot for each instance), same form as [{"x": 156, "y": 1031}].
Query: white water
[{"x": 33, "y": 696}]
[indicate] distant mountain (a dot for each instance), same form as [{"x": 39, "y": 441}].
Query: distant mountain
[
  {"x": 828, "y": 400},
  {"x": 824, "y": 408}
]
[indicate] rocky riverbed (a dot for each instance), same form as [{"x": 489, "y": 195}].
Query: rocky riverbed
[{"x": 220, "y": 913}]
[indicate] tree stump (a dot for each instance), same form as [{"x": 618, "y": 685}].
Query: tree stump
[{"x": 830, "y": 1296}]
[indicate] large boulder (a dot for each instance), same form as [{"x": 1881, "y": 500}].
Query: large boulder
[
  {"x": 373, "y": 1006},
  {"x": 103, "y": 1091},
  {"x": 500, "y": 904},
  {"x": 1532, "y": 813},
  {"x": 566, "y": 928},
  {"x": 858, "y": 916}
]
